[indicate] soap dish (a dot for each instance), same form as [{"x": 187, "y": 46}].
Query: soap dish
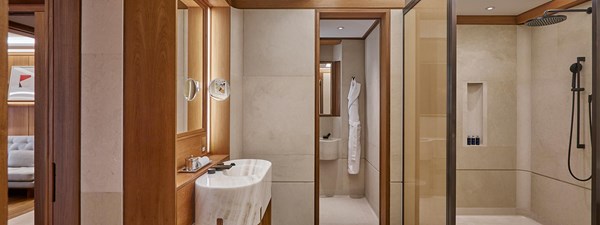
[{"x": 185, "y": 170}]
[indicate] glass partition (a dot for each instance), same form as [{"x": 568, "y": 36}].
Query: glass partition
[{"x": 425, "y": 119}]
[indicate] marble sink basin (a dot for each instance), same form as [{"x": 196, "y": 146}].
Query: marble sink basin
[{"x": 239, "y": 195}]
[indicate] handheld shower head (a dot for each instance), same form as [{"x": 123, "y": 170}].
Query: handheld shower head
[{"x": 548, "y": 19}]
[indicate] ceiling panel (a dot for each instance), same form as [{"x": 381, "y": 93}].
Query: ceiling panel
[
  {"x": 352, "y": 28},
  {"x": 501, "y": 7}
]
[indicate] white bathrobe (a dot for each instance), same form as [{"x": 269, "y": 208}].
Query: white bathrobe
[{"x": 354, "y": 129}]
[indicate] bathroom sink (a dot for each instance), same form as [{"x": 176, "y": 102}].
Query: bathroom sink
[{"x": 239, "y": 195}]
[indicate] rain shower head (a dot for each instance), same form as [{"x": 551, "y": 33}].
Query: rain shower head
[{"x": 548, "y": 19}]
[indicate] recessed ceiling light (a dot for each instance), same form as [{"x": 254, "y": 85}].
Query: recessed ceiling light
[
  {"x": 340, "y": 28},
  {"x": 490, "y": 8}
]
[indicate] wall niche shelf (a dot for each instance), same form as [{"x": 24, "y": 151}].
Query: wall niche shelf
[{"x": 475, "y": 113}]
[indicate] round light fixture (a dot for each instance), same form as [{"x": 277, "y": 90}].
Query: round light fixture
[
  {"x": 340, "y": 28},
  {"x": 490, "y": 8}
]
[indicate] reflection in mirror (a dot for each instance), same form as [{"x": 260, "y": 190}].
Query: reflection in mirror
[
  {"x": 191, "y": 89},
  {"x": 329, "y": 93},
  {"x": 190, "y": 69},
  {"x": 219, "y": 89}
]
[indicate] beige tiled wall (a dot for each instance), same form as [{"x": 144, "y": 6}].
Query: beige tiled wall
[
  {"x": 236, "y": 81},
  {"x": 396, "y": 98},
  {"x": 486, "y": 176},
  {"x": 554, "y": 49},
  {"x": 371, "y": 125},
  {"x": 278, "y": 106},
  {"x": 102, "y": 112}
]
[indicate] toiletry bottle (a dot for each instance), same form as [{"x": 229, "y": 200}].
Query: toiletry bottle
[
  {"x": 189, "y": 163},
  {"x": 477, "y": 140},
  {"x": 469, "y": 140}
]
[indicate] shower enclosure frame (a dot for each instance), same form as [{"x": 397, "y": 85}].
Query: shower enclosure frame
[
  {"x": 451, "y": 25},
  {"x": 595, "y": 140}
]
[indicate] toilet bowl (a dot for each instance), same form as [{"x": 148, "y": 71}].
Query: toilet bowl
[{"x": 328, "y": 148}]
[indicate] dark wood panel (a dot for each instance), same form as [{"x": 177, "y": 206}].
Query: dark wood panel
[
  {"x": 18, "y": 120},
  {"x": 554, "y": 4},
  {"x": 26, "y": 1},
  {"x": 220, "y": 60},
  {"x": 65, "y": 107},
  {"x": 26, "y": 8},
  {"x": 43, "y": 157},
  {"x": 149, "y": 112},
  {"x": 4, "y": 111},
  {"x": 487, "y": 20},
  {"x": 317, "y": 4},
  {"x": 21, "y": 29}
]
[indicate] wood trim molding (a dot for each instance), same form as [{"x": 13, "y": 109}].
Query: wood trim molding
[
  {"x": 539, "y": 11},
  {"x": 368, "y": 32},
  {"x": 21, "y": 29},
  {"x": 327, "y": 41},
  {"x": 220, "y": 68},
  {"x": 487, "y": 20},
  {"x": 317, "y": 4},
  {"x": 385, "y": 72},
  {"x": 149, "y": 118},
  {"x": 64, "y": 114},
  {"x": 4, "y": 109},
  {"x": 25, "y": 8},
  {"x": 43, "y": 170}
]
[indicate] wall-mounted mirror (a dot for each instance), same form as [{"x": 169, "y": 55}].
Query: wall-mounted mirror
[
  {"x": 191, "y": 69},
  {"x": 329, "y": 88},
  {"x": 219, "y": 89}
]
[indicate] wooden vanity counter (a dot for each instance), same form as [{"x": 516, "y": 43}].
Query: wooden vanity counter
[{"x": 186, "y": 191}]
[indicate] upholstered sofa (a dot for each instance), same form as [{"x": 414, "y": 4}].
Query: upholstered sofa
[{"x": 20, "y": 162}]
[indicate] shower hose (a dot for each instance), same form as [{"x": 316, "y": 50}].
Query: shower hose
[{"x": 571, "y": 135}]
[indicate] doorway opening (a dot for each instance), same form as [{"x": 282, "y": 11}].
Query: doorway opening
[{"x": 351, "y": 110}]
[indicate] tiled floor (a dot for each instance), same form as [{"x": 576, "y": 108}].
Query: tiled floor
[
  {"x": 343, "y": 210},
  {"x": 495, "y": 220},
  {"x": 25, "y": 219}
]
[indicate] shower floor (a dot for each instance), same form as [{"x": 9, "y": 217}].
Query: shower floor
[
  {"x": 495, "y": 220},
  {"x": 343, "y": 210}
]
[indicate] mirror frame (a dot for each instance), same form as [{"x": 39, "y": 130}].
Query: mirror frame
[
  {"x": 182, "y": 4},
  {"x": 335, "y": 89}
]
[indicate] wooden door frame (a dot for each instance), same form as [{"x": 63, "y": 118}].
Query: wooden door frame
[
  {"x": 57, "y": 112},
  {"x": 58, "y": 116},
  {"x": 385, "y": 74}
]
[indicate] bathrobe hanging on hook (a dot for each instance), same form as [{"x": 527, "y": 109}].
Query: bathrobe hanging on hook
[{"x": 354, "y": 128}]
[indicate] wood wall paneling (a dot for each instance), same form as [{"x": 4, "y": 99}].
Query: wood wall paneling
[
  {"x": 20, "y": 115},
  {"x": 317, "y": 4},
  {"x": 188, "y": 144},
  {"x": 26, "y": 8},
  {"x": 4, "y": 111},
  {"x": 220, "y": 60},
  {"x": 43, "y": 167},
  {"x": 487, "y": 20},
  {"x": 64, "y": 47},
  {"x": 186, "y": 205},
  {"x": 325, "y": 41},
  {"x": 149, "y": 119}
]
